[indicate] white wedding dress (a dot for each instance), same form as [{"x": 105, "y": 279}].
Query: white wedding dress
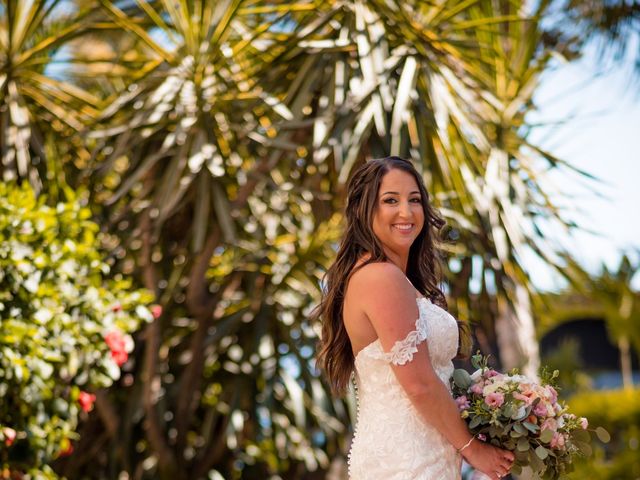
[{"x": 391, "y": 440}]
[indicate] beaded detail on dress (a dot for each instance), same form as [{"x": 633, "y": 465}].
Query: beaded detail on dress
[{"x": 391, "y": 441}]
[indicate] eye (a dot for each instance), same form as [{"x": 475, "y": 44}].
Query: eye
[
  {"x": 416, "y": 200},
  {"x": 390, "y": 200}
]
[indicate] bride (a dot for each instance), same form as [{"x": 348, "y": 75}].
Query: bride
[{"x": 384, "y": 318}]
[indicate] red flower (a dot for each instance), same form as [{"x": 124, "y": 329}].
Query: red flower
[
  {"x": 156, "y": 310},
  {"x": 115, "y": 342},
  {"x": 116, "y": 307},
  {"x": 9, "y": 436},
  {"x": 86, "y": 401}
]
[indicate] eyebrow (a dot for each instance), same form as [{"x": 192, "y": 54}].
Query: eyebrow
[{"x": 398, "y": 193}]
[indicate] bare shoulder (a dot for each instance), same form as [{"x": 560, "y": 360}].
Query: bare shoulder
[
  {"x": 380, "y": 283},
  {"x": 377, "y": 299}
]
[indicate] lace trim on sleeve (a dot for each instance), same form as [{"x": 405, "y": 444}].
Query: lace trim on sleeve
[{"x": 403, "y": 350}]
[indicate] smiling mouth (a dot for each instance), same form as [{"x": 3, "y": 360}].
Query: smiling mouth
[{"x": 404, "y": 227}]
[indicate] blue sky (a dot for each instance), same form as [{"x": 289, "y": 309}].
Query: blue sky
[{"x": 602, "y": 137}]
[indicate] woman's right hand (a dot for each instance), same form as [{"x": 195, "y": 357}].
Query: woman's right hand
[{"x": 492, "y": 461}]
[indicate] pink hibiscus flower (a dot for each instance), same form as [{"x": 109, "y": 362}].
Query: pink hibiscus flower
[
  {"x": 115, "y": 342},
  {"x": 86, "y": 400}
]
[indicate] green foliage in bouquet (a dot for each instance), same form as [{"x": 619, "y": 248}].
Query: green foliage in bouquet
[
  {"x": 514, "y": 412},
  {"x": 619, "y": 412},
  {"x": 64, "y": 328}
]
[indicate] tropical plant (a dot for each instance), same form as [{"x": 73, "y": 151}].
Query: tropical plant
[
  {"x": 64, "y": 329},
  {"x": 223, "y": 159},
  {"x": 613, "y": 26},
  {"x": 41, "y": 114},
  {"x": 612, "y": 290},
  {"x": 217, "y": 162}
]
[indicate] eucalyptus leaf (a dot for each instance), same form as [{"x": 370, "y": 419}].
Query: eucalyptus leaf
[
  {"x": 516, "y": 469},
  {"x": 581, "y": 435},
  {"x": 517, "y": 427},
  {"x": 584, "y": 447},
  {"x": 546, "y": 436},
  {"x": 523, "y": 444},
  {"x": 541, "y": 452},
  {"x": 475, "y": 421},
  {"x": 603, "y": 435},
  {"x": 462, "y": 378},
  {"x": 534, "y": 462}
]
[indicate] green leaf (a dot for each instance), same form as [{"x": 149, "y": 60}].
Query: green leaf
[
  {"x": 462, "y": 378},
  {"x": 475, "y": 421},
  {"x": 546, "y": 436},
  {"x": 584, "y": 447},
  {"x": 531, "y": 427},
  {"x": 476, "y": 361},
  {"x": 535, "y": 463},
  {"x": 603, "y": 435},
  {"x": 542, "y": 452},
  {"x": 581, "y": 435},
  {"x": 523, "y": 444},
  {"x": 519, "y": 428},
  {"x": 510, "y": 411}
]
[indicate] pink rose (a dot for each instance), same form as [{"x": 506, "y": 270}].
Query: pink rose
[
  {"x": 557, "y": 441},
  {"x": 552, "y": 394},
  {"x": 490, "y": 373},
  {"x": 115, "y": 342},
  {"x": 9, "y": 436},
  {"x": 584, "y": 423},
  {"x": 462, "y": 402},
  {"x": 494, "y": 400},
  {"x": 477, "y": 388},
  {"x": 549, "y": 424},
  {"x": 540, "y": 410},
  {"x": 518, "y": 396},
  {"x": 86, "y": 401}
]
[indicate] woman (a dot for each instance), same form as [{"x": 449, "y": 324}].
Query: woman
[{"x": 383, "y": 316}]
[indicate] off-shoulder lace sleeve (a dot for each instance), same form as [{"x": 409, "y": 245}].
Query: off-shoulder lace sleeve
[{"x": 403, "y": 350}]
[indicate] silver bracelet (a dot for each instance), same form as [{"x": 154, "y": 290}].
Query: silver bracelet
[{"x": 466, "y": 445}]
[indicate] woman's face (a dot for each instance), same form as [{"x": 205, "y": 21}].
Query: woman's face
[{"x": 398, "y": 217}]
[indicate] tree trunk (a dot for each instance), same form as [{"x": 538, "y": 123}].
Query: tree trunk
[
  {"x": 625, "y": 362},
  {"x": 516, "y": 336}
]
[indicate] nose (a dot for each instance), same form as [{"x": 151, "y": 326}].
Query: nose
[{"x": 405, "y": 210}]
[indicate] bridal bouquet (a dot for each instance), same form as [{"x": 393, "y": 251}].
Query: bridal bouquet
[{"x": 519, "y": 414}]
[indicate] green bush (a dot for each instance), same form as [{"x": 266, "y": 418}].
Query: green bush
[
  {"x": 618, "y": 411},
  {"x": 64, "y": 327}
]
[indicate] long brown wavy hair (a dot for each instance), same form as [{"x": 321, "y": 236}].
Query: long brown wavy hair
[{"x": 335, "y": 355}]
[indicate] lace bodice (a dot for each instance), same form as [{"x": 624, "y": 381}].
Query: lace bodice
[{"x": 391, "y": 441}]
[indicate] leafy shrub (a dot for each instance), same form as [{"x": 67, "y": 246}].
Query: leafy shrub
[
  {"x": 64, "y": 327},
  {"x": 619, "y": 412}
]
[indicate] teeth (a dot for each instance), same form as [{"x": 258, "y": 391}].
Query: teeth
[{"x": 404, "y": 227}]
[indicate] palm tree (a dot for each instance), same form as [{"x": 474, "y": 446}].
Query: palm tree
[
  {"x": 613, "y": 293},
  {"x": 612, "y": 25},
  {"x": 36, "y": 103},
  {"x": 218, "y": 160},
  {"x": 220, "y": 163}
]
